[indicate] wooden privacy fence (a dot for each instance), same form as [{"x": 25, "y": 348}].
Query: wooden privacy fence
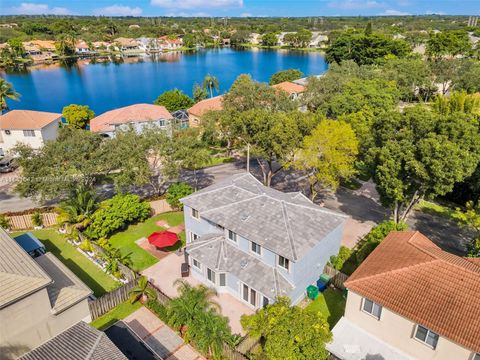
[
  {"x": 24, "y": 222},
  {"x": 107, "y": 302},
  {"x": 337, "y": 277}
]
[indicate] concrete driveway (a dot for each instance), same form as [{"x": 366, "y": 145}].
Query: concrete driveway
[{"x": 166, "y": 272}]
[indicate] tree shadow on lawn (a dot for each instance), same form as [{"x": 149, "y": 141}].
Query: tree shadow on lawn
[
  {"x": 97, "y": 288},
  {"x": 335, "y": 304}
]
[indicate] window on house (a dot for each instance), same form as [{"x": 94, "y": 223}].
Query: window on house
[
  {"x": 265, "y": 301},
  {"x": 222, "y": 279},
  {"x": 426, "y": 336},
  {"x": 211, "y": 275},
  {"x": 30, "y": 133},
  {"x": 193, "y": 236},
  {"x": 257, "y": 249},
  {"x": 196, "y": 263},
  {"x": 283, "y": 262},
  {"x": 195, "y": 214},
  {"x": 8, "y": 132},
  {"x": 232, "y": 236},
  {"x": 372, "y": 308}
]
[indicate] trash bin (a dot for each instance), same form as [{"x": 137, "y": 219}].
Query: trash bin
[
  {"x": 322, "y": 286},
  {"x": 312, "y": 292},
  {"x": 325, "y": 278}
]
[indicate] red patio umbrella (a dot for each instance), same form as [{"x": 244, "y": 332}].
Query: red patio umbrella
[{"x": 163, "y": 239}]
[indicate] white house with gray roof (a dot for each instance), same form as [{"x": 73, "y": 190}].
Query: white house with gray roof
[{"x": 258, "y": 243}]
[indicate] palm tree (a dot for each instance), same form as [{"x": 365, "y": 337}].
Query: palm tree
[
  {"x": 78, "y": 208},
  {"x": 114, "y": 256},
  {"x": 192, "y": 301},
  {"x": 142, "y": 291},
  {"x": 210, "y": 82},
  {"x": 7, "y": 92}
]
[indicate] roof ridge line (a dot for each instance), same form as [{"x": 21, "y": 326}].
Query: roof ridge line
[
  {"x": 289, "y": 231},
  {"x": 233, "y": 203},
  {"x": 94, "y": 346},
  {"x": 319, "y": 208}
]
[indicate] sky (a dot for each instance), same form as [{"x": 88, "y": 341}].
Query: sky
[{"x": 239, "y": 8}]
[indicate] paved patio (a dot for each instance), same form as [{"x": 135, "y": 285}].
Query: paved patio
[
  {"x": 159, "y": 337},
  {"x": 164, "y": 274}
]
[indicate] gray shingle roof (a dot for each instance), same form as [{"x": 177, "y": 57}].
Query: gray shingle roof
[
  {"x": 286, "y": 223},
  {"x": 79, "y": 342},
  {"x": 20, "y": 275},
  {"x": 67, "y": 289},
  {"x": 219, "y": 254}
]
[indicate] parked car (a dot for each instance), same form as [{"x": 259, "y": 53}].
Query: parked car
[{"x": 8, "y": 164}]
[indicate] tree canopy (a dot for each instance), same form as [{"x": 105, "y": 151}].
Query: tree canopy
[
  {"x": 285, "y": 75},
  {"x": 78, "y": 116},
  {"x": 174, "y": 100}
]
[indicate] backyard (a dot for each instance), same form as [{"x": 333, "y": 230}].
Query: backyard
[
  {"x": 331, "y": 304},
  {"x": 119, "y": 312},
  {"x": 86, "y": 270},
  {"x": 125, "y": 240}
]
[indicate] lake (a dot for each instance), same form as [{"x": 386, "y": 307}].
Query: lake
[{"x": 108, "y": 85}]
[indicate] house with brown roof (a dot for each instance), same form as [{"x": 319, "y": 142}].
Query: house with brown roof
[
  {"x": 39, "y": 299},
  {"x": 138, "y": 116},
  {"x": 126, "y": 44},
  {"x": 196, "y": 112},
  {"x": 411, "y": 300},
  {"x": 28, "y": 127},
  {"x": 293, "y": 90},
  {"x": 81, "y": 47}
]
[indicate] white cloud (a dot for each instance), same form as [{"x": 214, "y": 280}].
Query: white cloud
[
  {"x": 187, "y": 14},
  {"x": 196, "y": 4},
  {"x": 355, "y": 4},
  {"x": 118, "y": 10},
  {"x": 391, "y": 12},
  {"x": 246, "y": 14},
  {"x": 39, "y": 9}
]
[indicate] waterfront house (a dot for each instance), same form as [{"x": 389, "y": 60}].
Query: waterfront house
[
  {"x": 293, "y": 90},
  {"x": 39, "y": 298},
  {"x": 138, "y": 116},
  {"x": 82, "y": 48},
  {"x": 31, "y": 48},
  {"x": 411, "y": 300},
  {"x": 101, "y": 45},
  {"x": 318, "y": 40},
  {"x": 254, "y": 38},
  {"x": 257, "y": 243},
  {"x": 28, "y": 127},
  {"x": 196, "y": 112},
  {"x": 167, "y": 43},
  {"x": 126, "y": 44},
  {"x": 147, "y": 44}
]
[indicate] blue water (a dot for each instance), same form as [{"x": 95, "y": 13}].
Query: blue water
[{"x": 105, "y": 86}]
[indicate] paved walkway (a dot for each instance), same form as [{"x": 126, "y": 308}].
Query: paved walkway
[
  {"x": 159, "y": 337},
  {"x": 166, "y": 272}
]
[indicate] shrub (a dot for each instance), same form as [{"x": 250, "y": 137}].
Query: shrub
[
  {"x": 115, "y": 213},
  {"x": 343, "y": 255},
  {"x": 159, "y": 309},
  {"x": 4, "y": 223},
  {"x": 86, "y": 246},
  {"x": 177, "y": 191},
  {"x": 37, "y": 219}
]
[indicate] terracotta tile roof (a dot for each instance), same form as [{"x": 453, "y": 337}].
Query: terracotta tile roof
[
  {"x": 200, "y": 108},
  {"x": 290, "y": 87},
  {"x": 132, "y": 113},
  {"x": 27, "y": 119},
  {"x": 44, "y": 44},
  {"x": 414, "y": 278}
]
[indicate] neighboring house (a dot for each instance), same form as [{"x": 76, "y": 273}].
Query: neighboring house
[
  {"x": 28, "y": 127},
  {"x": 318, "y": 40},
  {"x": 411, "y": 300},
  {"x": 254, "y": 38},
  {"x": 126, "y": 44},
  {"x": 79, "y": 342},
  {"x": 304, "y": 81},
  {"x": 39, "y": 298},
  {"x": 147, "y": 44},
  {"x": 101, "y": 45},
  {"x": 196, "y": 112},
  {"x": 257, "y": 243},
  {"x": 294, "y": 90},
  {"x": 170, "y": 44},
  {"x": 137, "y": 116},
  {"x": 81, "y": 47}
]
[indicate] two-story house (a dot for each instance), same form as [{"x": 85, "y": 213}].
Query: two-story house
[
  {"x": 196, "y": 112},
  {"x": 27, "y": 127},
  {"x": 257, "y": 243},
  {"x": 39, "y": 299},
  {"x": 411, "y": 300},
  {"x": 138, "y": 116}
]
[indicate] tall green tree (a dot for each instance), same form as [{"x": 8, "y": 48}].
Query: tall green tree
[
  {"x": 210, "y": 82},
  {"x": 174, "y": 100},
  {"x": 448, "y": 43},
  {"x": 285, "y": 75},
  {"x": 78, "y": 116},
  {"x": 289, "y": 332},
  {"x": 470, "y": 217},
  {"x": 199, "y": 93},
  {"x": 16, "y": 46},
  {"x": 327, "y": 155},
  {"x": 65, "y": 44},
  {"x": 269, "y": 39},
  {"x": 7, "y": 92}
]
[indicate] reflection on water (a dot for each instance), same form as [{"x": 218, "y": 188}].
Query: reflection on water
[{"x": 108, "y": 82}]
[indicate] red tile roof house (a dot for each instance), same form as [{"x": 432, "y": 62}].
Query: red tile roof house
[
  {"x": 196, "y": 112},
  {"x": 293, "y": 90},
  {"x": 28, "y": 127},
  {"x": 411, "y": 300},
  {"x": 139, "y": 116}
]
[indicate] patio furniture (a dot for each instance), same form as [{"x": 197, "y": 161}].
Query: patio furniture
[
  {"x": 163, "y": 239},
  {"x": 185, "y": 270}
]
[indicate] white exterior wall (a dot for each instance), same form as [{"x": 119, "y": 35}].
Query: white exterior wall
[{"x": 399, "y": 332}]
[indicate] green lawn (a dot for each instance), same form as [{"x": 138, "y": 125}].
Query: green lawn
[
  {"x": 331, "y": 304},
  {"x": 125, "y": 240},
  {"x": 87, "y": 271},
  {"x": 437, "y": 209},
  {"x": 117, "y": 313}
]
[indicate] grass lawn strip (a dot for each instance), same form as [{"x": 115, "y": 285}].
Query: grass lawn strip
[
  {"x": 117, "y": 313},
  {"x": 86, "y": 270},
  {"x": 331, "y": 304}
]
